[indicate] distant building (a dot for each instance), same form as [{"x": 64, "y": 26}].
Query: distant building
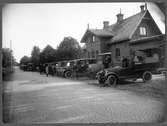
[{"x": 136, "y": 33}]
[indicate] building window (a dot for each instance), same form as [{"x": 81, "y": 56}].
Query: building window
[
  {"x": 117, "y": 52},
  {"x": 143, "y": 31}
]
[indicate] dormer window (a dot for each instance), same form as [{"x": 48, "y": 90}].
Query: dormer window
[{"x": 143, "y": 31}]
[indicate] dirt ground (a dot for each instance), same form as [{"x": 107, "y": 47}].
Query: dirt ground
[{"x": 155, "y": 88}]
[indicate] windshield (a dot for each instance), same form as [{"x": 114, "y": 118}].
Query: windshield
[{"x": 92, "y": 61}]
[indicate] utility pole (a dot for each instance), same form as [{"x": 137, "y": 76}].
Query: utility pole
[{"x": 11, "y": 54}]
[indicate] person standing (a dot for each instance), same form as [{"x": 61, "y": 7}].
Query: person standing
[
  {"x": 47, "y": 70},
  {"x": 106, "y": 61},
  {"x": 125, "y": 62},
  {"x": 156, "y": 57},
  {"x": 136, "y": 59}
]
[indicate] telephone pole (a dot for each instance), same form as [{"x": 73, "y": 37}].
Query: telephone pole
[{"x": 11, "y": 54}]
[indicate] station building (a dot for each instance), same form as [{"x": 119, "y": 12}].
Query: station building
[{"x": 138, "y": 32}]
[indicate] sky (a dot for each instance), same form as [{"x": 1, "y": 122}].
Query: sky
[{"x": 28, "y": 25}]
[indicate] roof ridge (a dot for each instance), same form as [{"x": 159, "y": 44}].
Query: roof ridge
[
  {"x": 128, "y": 18},
  {"x": 106, "y": 30},
  {"x": 121, "y": 22}
]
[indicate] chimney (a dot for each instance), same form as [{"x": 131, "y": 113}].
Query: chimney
[
  {"x": 119, "y": 17},
  {"x": 105, "y": 24},
  {"x": 142, "y": 8}
]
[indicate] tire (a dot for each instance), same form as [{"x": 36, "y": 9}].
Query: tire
[
  {"x": 146, "y": 76},
  {"x": 100, "y": 80},
  {"x": 68, "y": 74},
  {"x": 112, "y": 80}
]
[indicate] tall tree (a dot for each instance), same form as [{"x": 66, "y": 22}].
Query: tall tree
[
  {"x": 7, "y": 57},
  {"x": 68, "y": 49},
  {"x": 7, "y": 62},
  {"x": 25, "y": 60},
  {"x": 35, "y": 55},
  {"x": 47, "y": 55}
]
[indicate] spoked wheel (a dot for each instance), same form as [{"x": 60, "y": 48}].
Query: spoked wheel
[
  {"x": 101, "y": 80},
  {"x": 147, "y": 76},
  {"x": 68, "y": 74},
  {"x": 112, "y": 80}
]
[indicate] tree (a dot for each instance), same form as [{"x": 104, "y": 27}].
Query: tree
[
  {"x": 7, "y": 58},
  {"x": 25, "y": 60},
  {"x": 35, "y": 55},
  {"x": 47, "y": 55},
  {"x": 7, "y": 62},
  {"x": 68, "y": 49}
]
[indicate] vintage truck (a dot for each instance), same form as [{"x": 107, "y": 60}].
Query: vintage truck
[{"x": 113, "y": 75}]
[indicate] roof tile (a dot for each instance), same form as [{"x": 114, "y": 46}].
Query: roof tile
[
  {"x": 101, "y": 32},
  {"x": 123, "y": 30}
]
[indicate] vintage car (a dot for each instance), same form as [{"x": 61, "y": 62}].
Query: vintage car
[
  {"x": 27, "y": 67},
  {"x": 113, "y": 75},
  {"x": 77, "y": 67},
  {"x": 100, "y": 64},
  {"x": 23, "y": 67},
  {"x": 31, "y": 67},
  {"x": 60, "y": 68}
]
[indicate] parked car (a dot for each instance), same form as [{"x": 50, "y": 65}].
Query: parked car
[
  {"x": 23, "y": 67},
  {"x": 30, "y": 67},
  {"x": 60, "y": 67},
  {"x": 100, "y": 64},
  {"x": 77, "y": 67},
  {"x": 113, "y": 75}
]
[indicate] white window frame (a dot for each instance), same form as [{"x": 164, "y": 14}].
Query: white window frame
[{"x": 143, "y": 31}]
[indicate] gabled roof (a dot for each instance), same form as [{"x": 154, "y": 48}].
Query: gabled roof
[
  {"x": 125, "y": 29},
  {"x": 97, "y": 32},
  {"x": 120, "y": 31},
  {"x": 101, "y": 32}
]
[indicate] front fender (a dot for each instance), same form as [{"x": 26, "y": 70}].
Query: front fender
[{"x": 112, "y": 73}]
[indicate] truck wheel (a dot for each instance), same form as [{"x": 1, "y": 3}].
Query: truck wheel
[
  {"x": 147, "y": 76},
  {"x": 68, "y": 74},
  {"x": 112, "y": 80}
]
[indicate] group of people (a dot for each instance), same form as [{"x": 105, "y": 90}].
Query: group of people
[
  {"x": 130, "y": 61},
  {"x": 47, "y": 69},
  {"x": 126, "y": 61}
]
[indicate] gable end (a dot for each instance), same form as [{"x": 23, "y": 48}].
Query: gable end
[{"x": 148, "y": 23}]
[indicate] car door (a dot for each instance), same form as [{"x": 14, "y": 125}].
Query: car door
[{"x": 126, "y": 72}]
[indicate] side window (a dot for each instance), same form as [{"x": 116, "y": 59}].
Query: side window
[
  {"x": 143, "y": 31},
  {"x": 149, "y": 53},
  {"x": 117, "y": 52}
]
